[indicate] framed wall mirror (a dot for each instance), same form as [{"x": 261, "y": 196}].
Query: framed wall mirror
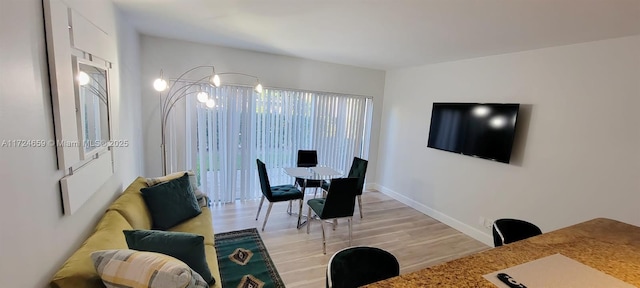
[
  {"x": 92, "y": 107},
  {"x": 81, "y": 57}
]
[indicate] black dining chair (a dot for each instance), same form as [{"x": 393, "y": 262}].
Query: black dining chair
[
  {"x": 508, "y": 230},
  {"x": 308, "y": 158},
  {"x": 358, "y": 170},
  {"x": 278, "y": 193},
  {"x": 358, "y": 266},
  {"x": 339, "y": 203}
]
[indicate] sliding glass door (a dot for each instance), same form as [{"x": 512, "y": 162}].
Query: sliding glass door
[{"x": 244, "y": 125}]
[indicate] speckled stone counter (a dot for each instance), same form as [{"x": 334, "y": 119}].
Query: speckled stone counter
[{"x": 607, "y": 245}]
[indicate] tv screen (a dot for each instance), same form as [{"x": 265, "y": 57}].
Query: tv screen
[{"x": 476, "y": 129}]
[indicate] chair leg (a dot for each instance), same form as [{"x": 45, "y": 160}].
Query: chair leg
[
  {"x": 290, "y": 209},
  {"x": 360, "y": 205},
  {"x": 260, "y": 207},
  {"x": 335, "y": 224},
  {"x": 309, "y": 220},
  {"x": 350, "y": 220},
  {"x": 324, "y": 241},
  {"x": 304, "y": 187},
  {"x": 300, "y": 214},
  {"x": 267, "y": 216}
]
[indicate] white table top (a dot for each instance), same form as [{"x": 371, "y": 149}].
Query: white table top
[{"x": 312, "y": 173}]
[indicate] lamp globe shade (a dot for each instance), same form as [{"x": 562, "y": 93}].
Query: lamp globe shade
[{"x": 160, "y": 85}]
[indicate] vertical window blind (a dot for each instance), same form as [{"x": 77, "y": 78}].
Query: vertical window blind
[{"x": 222, "y": 143}]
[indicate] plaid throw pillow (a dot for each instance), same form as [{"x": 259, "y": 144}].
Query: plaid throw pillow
[{"x": 130, "y": 268}]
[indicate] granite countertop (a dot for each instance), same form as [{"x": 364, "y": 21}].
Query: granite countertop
[{"x": 607, "y": 245}]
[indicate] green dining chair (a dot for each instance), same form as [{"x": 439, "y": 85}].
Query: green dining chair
[
  {"x": 278, "y": 193},
  {"x": 339, "y": 203},
  {"x": 358, "y": 170},
  {"x": 308, "y": 158}
]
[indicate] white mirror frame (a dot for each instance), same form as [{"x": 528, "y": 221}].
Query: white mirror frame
[
  {"x": 99, "y": 145},
  {"x": 73, "y": 38}
]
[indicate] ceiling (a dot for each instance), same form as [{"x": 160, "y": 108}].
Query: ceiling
[{"x": 385, "y": 34}]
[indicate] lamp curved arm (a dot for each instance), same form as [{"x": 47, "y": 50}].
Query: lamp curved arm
[
  {"x": 97, "y": 77},
  {"x": 170, "y": 96},
  {"x": 95, "y": 91},
  {"x": 186, "y": 72},
  {"x": 165, "y": 114},
  {"x": 258, "y": 87},
  {"x": 169, "y": 102},
  {"x": 176, "y": 94},
  {"x": 99, "y": 83},
  {"x": 243, "y": 74}
]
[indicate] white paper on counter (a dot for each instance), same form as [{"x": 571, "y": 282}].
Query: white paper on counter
[{"x": 557, "y": 271}]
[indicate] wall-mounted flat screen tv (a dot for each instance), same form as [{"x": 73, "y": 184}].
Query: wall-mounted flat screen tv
[{"x": 484, "y": 130}]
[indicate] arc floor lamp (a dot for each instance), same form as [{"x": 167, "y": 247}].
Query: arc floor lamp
[{"x": 175, "y": 94}]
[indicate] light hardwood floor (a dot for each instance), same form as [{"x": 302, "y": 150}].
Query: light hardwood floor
[{"x": 417, "y": 240}]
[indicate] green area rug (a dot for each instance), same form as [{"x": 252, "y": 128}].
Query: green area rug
[{"x": 244, "y": 261}]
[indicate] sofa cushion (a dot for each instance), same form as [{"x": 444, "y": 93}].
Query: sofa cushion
[
  {"x": 136, "y": 185},
  {"x": 171, "y": 202},
  {"x": 212, "y": 260},
  {"x": 186, "y": 247},
  {"x": 133, "y": 208},
  {"x": 130, "y": 268},
  {"x": 78, "y": 270},
  {"x": 131, "y": 205},
  {"x": 201, "y": 225}
]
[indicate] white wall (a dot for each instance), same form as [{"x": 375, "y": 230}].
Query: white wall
[
  {"x": 175, "y": 57},
  {"x": 35, "y": 238},
  {"x": 576, "y": 159}
]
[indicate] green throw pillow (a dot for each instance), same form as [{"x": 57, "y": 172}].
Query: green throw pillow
[
  {"x": 171, "y": 202},
  {"x": 186, "y": 247}
]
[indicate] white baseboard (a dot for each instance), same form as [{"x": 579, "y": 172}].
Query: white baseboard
[{"x": 452, "y": 222}]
